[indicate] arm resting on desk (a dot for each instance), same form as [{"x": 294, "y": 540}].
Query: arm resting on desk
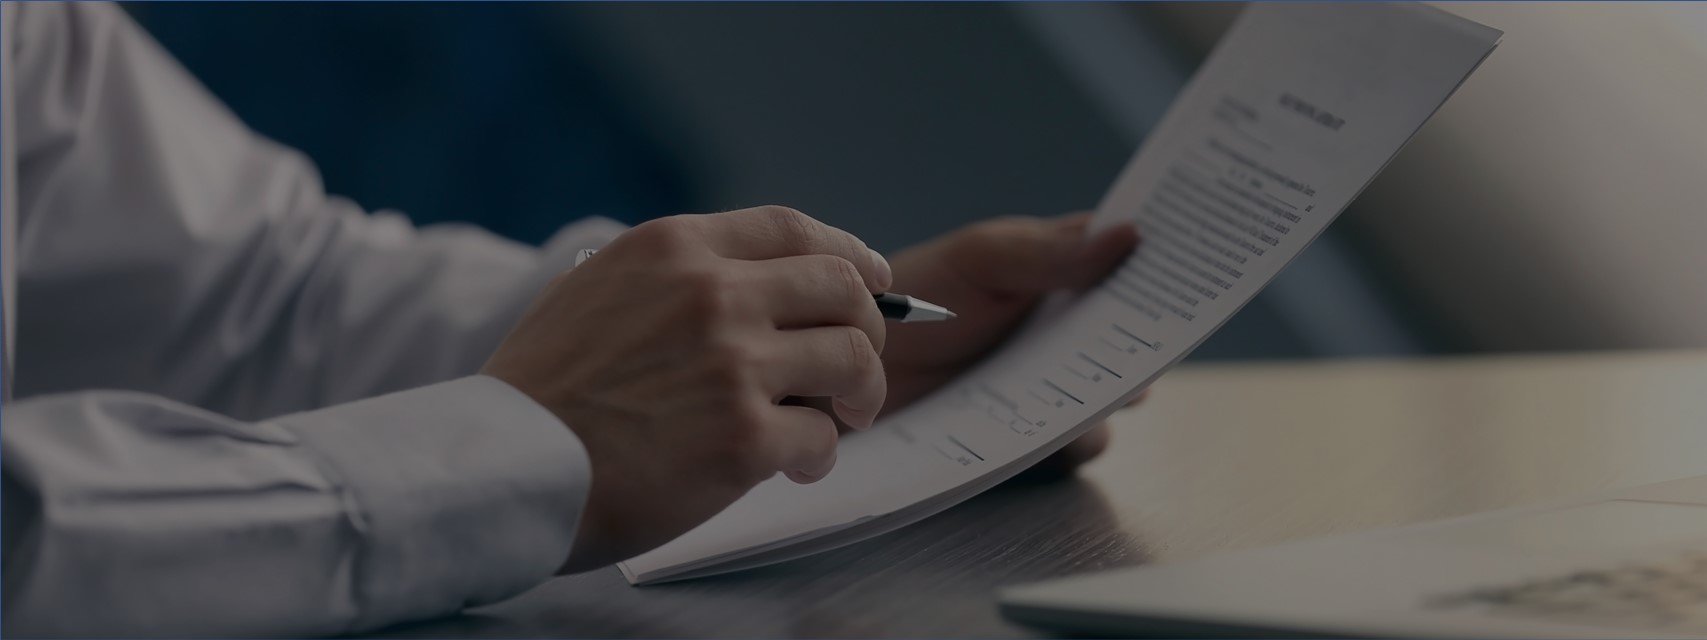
[
  {"x": 167, "y": 250},
  {"x": 127, "y": 515}
]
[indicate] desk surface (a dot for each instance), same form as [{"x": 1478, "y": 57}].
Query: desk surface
[{"x": 1219, "y": 458}]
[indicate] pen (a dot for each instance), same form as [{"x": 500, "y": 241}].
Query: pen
[{"x": 893, "y": 305}]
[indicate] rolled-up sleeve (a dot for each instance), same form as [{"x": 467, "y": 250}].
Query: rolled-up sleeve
[{"x": 129, "y": 515}]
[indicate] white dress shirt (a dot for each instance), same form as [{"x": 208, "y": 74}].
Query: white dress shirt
[{"x": 235, "y": 405}]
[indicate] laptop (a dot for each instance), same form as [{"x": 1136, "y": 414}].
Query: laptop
[{"x": 1626, "y": 564}]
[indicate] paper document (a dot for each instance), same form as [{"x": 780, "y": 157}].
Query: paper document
[{"x": 1297, "y": 109}]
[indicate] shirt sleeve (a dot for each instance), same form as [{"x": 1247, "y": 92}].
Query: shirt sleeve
[
  {"x": 167, "y": 248},
  {"x": 127, "y": 515},
  {"x": 245, "y": 476}
]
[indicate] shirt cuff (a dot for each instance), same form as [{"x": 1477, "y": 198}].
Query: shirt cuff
[
  {"x": 462, "y": 493},
  {"x": 560, "y": 250}
]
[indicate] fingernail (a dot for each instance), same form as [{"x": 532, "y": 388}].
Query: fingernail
[
  {"x": 809, "y": 476},
  {"x": 885, "y": 276},
  {"x": 859, "y": 420}
]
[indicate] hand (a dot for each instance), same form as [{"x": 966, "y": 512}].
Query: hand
[
  {"x": 992, "y": 274},
  {"x": 669, "y": 352}
]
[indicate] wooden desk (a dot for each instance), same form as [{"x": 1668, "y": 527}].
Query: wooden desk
[{"x": 1220, "y": 458}]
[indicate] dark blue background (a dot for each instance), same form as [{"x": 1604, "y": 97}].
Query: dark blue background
[{"x": 450, "y": 111}]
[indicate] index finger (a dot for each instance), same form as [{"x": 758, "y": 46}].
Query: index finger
[{"x": 767, "y": 233}]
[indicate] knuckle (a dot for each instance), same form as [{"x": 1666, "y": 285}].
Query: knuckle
[
  {"x": 663, "y": 233},
  {"x": 745, "y": 455},
  {"x": 781, "y": 214},
  {"x": 652, "y": 229},
  {"x": 860, "y": 355},
  {"x": 710, "y": 293},
  {"x": 844, "y": 277},
  {"x": 796, "y": 229},
  {"x": 732, "y": 369},
  {"x": 746, "y": 424},
  {"x": 700, "y": 278}
]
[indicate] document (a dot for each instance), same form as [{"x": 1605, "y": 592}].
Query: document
[{"x": 1296, "y": 110}]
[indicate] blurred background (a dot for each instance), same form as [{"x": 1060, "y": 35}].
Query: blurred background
[{"x": 1558, "y": 202}]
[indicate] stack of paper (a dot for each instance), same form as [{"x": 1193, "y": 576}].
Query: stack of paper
[{"x": 1298, "y": 108}]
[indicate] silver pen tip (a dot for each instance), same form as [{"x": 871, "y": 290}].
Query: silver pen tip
[{"x": 927, "y": 312}]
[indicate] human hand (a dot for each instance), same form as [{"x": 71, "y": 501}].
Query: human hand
[
  {"x": 669, "y": 354},
  {"x": 992, "y": 274}
]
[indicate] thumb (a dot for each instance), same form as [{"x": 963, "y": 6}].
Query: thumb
[
  {"x": 1096, "y": 255},
  {"x": 1029, "y": 256}
]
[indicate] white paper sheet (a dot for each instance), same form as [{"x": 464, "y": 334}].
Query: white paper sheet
[{"x": 1298, "y": 108}]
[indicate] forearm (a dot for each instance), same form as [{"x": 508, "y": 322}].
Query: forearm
[
  {"x": 167, "y": 248},
  {"x": 385, "y": 306},
  {"x": 129, "y": 515}
]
